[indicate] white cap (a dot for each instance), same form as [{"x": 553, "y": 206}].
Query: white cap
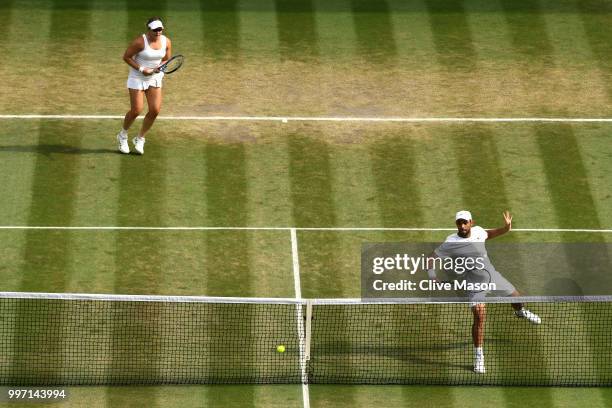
[
  {"x": 463, "y": 215},
  {"x": 155, "y": 24}
]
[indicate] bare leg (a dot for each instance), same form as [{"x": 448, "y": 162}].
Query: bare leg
[
  {"x": 154, "y": 100},
  {"x": 136, "y": 106},
  {"x": 479, "y": 313}
]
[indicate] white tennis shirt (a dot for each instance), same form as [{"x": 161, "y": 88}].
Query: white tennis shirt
[
  {"x": 149, "y": 58},
  {"x": 477, "y": 234}
]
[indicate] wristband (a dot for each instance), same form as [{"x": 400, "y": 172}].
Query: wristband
[{"x": 141, "y": 69}]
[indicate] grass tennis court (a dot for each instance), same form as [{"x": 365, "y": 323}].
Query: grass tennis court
[{"x": 340, "y": 58}]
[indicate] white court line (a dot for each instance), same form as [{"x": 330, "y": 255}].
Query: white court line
[
  {"x": 300, "y": 318},
  {"x": 407, "y": 229},
  {"x": 296, "y": 264},
  {"x": 324, "y": 118}
]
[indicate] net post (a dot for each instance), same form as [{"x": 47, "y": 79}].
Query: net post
[{"x": 308, "y": 330}]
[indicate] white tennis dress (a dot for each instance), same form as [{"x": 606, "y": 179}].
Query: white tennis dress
[{"x": 148, "y": 58}]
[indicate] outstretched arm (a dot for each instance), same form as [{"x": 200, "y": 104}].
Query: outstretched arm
[{"x": 500, "y": 231}]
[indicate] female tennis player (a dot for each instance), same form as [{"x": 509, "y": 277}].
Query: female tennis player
[{"x": 144, "y": 55}]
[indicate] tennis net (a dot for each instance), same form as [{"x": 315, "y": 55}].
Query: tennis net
[{"x": 68, "y": 339}]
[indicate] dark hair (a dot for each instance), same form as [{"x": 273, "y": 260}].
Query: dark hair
[{"x": 153, "y": 19}]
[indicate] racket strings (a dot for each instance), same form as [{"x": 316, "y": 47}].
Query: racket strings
[{"x": 172, "y": 65}]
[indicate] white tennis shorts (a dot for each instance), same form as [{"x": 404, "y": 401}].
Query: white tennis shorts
[
  {"x": 144, "y": 84},
  {"x": 503, "y": 289}
]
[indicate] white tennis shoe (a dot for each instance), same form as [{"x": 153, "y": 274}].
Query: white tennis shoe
[
  {"x": 122, "y": 141},
  {"x": 139, "y": 144},
  {"x": 479, "y": 366},
  {"x": 530, "y": 316}
]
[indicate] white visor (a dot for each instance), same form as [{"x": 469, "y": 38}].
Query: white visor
[
  {"x": 155, "y": 24},
  {"x": 463, "y": 215}
]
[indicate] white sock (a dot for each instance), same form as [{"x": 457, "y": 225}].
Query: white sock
[
  {"x": 123, "y": 133},
  {"x": 478, "y": 352}
]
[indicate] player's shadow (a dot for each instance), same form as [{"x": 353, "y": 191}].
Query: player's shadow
[
  {"x": 49, "y": 149},
  {"x": 422, "y": 356}
]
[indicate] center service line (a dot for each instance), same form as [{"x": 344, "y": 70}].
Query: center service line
[{"x": 300, "y": 317}]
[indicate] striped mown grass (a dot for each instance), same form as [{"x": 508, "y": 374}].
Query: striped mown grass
[
  {"x": 205, "y": 167},
  {"x": 323, "y": 176},
  {"x": 297, "y": 57},
  {"x": 428, "y": 58}
]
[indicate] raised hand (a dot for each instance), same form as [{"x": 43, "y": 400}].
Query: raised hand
[{"x": 507, "y": 220}]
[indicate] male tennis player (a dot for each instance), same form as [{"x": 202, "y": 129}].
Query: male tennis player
[
  {"x": 468, "y": 242},
  {"x": 144, "y": 55}
]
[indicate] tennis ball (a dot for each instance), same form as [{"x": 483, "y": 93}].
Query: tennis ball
[{"x": 280, "y": 349}]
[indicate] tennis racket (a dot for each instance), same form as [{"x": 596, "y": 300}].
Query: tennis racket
[{"x": 172, "y": 65}]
